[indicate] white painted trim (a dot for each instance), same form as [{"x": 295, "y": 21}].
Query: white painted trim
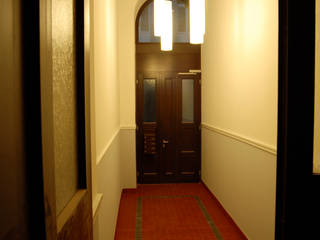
[
  {"x": 96, "y": 204},
  {"x": 107, "y": 146},
  {"x": 243, "y": 139},
  {"x": 128, "y": 127}
]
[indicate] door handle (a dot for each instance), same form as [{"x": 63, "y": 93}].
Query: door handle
[{"x": 164, "y": 142}]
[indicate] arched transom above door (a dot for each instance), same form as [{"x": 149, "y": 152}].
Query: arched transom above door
[{"x": 145, "y": 26}]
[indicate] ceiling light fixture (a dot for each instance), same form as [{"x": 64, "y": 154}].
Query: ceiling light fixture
[
  {"x": 166, "y": 26},
  {"x": 197, "y": 21},
  {"x": 157, "y": 13}
]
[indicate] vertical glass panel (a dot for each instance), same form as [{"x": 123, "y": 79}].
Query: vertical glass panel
[
  {"x": 187, "y": 100},
  {"x": 64, "y": 101},
  {"x": 180, "y": 21},
  {"x": 316, "y": 147},
  {"x": 145, "y": 27},
  {"x": 149, "y": 100}
]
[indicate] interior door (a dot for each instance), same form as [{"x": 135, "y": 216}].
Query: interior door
[
  {"x": 188, "y": 126},
  {"x": 167, "y": 127},
  {"x": 148, "y": 127},
  {"x": 168, "y": 116},
  {"x": 65, "y": 139}
]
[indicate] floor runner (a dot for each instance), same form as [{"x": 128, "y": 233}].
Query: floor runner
[{"x": 173, "y": 212}]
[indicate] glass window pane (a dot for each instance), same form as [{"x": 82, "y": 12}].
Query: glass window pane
[
  {"x": 180, "y": 23},
  {"x": 187, "y": 100},
  {"x": 146, "y": 25},
  {"x": 149, "y": 100}
]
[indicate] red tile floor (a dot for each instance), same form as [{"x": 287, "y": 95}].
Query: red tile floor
[{"x": 185, "y": 211}]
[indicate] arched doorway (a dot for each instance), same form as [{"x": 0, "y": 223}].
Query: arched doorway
[{"x": 168, "y": 101}]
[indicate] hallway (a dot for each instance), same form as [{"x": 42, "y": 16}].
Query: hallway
[
  {"x": 239, "y": 105},
  {"x": 173, "y": 212},
  {"x": 73, "y": 138}
]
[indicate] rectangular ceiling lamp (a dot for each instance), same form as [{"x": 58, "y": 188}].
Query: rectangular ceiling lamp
[
  {"x": 166, "y": 22},
  {"x": 197, "y": 21},
  {"x": 157, "y": 13}
]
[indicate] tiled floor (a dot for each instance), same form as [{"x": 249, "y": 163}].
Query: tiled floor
[{"x": 173, "y": 212}]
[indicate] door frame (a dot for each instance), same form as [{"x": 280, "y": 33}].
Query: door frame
[
  {"x": 43, "y": 222},
  {"x": 295, "y": 120},
  {"x": 30, "y": 25},
  {"x": 83, "y": 197}
]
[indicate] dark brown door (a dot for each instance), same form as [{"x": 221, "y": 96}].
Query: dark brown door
[
  {"x": 168, "y": 139},
  {"x": 188, "y": 127},
  {"x": 167, "y": 127}
]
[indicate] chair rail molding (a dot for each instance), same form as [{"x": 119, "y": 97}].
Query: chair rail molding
[{"x": 257, "y": 144}]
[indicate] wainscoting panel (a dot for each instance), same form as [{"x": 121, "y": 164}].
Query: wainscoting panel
[{"x": 242, "y": 175}]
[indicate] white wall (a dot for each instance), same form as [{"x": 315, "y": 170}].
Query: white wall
[{"x": 239, "y": 110}]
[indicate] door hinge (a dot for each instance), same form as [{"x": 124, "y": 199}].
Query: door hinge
[
  {"x": 137, "y": 81},
  {"x": 200, "y": 81},
  {"x": 137, "y": 127}
]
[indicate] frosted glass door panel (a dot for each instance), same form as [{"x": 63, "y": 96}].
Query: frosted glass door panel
[
  {"x": 187, "y": 100},
  {"x": 64, "y": 101}
]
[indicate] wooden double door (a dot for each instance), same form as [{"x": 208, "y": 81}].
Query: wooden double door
[{"x": 168, "y": 119}]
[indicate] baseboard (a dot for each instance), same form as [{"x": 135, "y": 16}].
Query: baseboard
[{"x": 226, "y": 214}]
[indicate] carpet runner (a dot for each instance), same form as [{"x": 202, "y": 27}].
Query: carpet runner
[{"x": 173, "y": 212}]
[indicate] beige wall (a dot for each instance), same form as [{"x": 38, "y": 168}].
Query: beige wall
[
  {"x": 128, "y": 157},
  {"x": 239, "y": 61},
  {"x": 127, "y": 11},
  {"x": 105, "y": 102},
  {"x": 105, "y": 73},
  {"x": 126, "y": 61},
  {"x": 113, "y": 114},
  {"x": 239, "y": 110},
  {"x": 316, "y": 154}
]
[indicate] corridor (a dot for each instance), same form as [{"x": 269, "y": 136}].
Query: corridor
[
  {"x": 173, "y": 212},
  {"x": 78, "y": 79}
]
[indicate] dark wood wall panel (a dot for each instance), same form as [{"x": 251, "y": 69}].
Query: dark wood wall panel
[{"x": 183, "y": 58}]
